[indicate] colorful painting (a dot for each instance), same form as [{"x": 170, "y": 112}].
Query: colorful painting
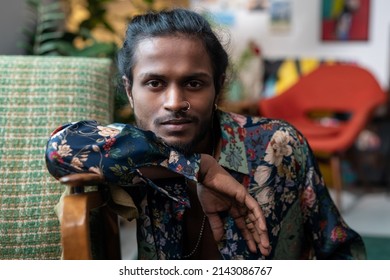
[
  {"x": 281, "y": 74},
  {"x": 345, "y": 20}
]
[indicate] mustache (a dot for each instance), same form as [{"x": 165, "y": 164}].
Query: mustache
[{"x": 175, "y": 116}]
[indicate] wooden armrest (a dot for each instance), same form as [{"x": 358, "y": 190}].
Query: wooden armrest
[{"x": 75, "y": 231}]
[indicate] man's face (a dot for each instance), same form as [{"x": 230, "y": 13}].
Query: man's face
[{"x": 168, "y": 72}]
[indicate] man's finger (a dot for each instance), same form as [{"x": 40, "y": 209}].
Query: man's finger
[
  {"x": 246, "y": 234},
  {"x": 260, "y": 236},
  {"x": 256, "y": 216}
]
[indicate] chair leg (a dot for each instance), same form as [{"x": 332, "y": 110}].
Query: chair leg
[
  {"x": 336, "y": 178},
  {"x": 75, "y": 228}
]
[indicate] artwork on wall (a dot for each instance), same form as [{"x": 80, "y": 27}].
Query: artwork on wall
[
  {"x": 280, "y": 15},
  {"x": 345, "y": 20},
  {"x": 281, "y": 74},
  {"x": 233, "y": 5}
]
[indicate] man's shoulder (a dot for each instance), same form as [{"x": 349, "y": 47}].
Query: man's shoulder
[{"x": 257, "y": 122}]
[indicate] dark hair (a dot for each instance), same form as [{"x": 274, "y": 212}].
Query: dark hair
[{"x": 168, "y": 23}]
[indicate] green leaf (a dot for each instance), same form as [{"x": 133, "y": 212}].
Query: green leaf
[
  {"x": 66, "y": 48},
  {"x": 52, "y": 53},
  {"x": 130, "y": 162},
  {"x": 33, "y": 3},
  {"x": 98, "y": 50},
  {"x": 52, "y": 17},
  {"x": 51, "y": 35},
  {"x": 47, "y": 47},
  {"x": 116, "y": 153},
  {"x": 49, "y": 8},
  {"x": 116, "y": 169},
  {"x": 51, "y": 25}
]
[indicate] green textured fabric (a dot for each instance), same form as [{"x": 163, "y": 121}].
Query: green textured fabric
[{"x": 38, "y": 93}]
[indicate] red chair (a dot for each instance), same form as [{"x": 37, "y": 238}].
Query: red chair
[{"x": 330, "y": 91}]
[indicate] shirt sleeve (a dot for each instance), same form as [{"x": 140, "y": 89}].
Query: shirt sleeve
[
  {"x": 332, "y": 237},
  {"x": 116, "y": 151}
]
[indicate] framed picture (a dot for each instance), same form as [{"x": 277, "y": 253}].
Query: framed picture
[
  {"x": 280, "y": 15},
  {"x": 345, "y": 20},
  {"x": 250, "y": 5}
]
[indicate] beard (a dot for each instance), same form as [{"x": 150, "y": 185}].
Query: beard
[
  {"x": 190, "y": 147},
  {"x": 185, "y": 148}
]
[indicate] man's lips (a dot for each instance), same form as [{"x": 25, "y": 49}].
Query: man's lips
[
  {"x": 179, "y": 124},
  {"x": 176, "y": 121}
]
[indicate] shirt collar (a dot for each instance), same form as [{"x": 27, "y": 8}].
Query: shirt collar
[{"x": 233, "y": 150}]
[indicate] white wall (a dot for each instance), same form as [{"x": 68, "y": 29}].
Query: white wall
[{"x": 303, "y": 39}]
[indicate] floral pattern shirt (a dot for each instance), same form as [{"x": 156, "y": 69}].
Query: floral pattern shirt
[{"x": 269, "y": 157}]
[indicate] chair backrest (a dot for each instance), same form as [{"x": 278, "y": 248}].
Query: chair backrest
[
  {"x": 38, "y": 93},
  {"x": 336, "y": 88}
]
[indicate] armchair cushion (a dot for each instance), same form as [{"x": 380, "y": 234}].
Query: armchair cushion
[{"x": 36, "y": 95}]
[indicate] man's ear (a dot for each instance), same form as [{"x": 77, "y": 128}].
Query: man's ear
[{"x": 128, "y": 88}]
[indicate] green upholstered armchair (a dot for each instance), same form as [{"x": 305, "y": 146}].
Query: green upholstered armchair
[{"x": 37, "y": 94}]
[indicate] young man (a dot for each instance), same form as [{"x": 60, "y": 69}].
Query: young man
[{"x": 174, "y": 69}]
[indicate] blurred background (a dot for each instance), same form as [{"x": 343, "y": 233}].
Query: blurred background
[{"x": 272, "y": 44}]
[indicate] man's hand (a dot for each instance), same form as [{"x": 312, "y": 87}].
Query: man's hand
[{"x": 219, "y": 192}]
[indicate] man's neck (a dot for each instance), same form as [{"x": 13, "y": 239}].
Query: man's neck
[{"x": 210, "y": 143}]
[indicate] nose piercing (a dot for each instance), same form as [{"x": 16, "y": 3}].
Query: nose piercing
[{"x": 188, "y": 107}]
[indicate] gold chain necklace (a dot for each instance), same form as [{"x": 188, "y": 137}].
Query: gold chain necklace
[{"x": 199, "y": 239}]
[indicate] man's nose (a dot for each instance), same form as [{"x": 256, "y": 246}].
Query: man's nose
[{"x": 175, "y": 99}]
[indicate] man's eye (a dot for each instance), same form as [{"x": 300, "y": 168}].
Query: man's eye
[
  {"x": 154, "y": 84},
  {"x": 194, "y": 84}
]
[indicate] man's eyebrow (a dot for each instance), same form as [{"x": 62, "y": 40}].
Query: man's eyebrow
[
  {"x": 199, "y": 75},
  {"x": 150, "y": 75},
  {"x": 188, "y": 76}
]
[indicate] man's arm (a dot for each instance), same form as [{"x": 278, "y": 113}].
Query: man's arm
[
  {"x": 219, "y": 192},
  {"x": 86, "y": 153},
  {"x": 332, "y": 237}
]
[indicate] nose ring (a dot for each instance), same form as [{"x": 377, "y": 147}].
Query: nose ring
[{"x": 188, "y": 107}]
